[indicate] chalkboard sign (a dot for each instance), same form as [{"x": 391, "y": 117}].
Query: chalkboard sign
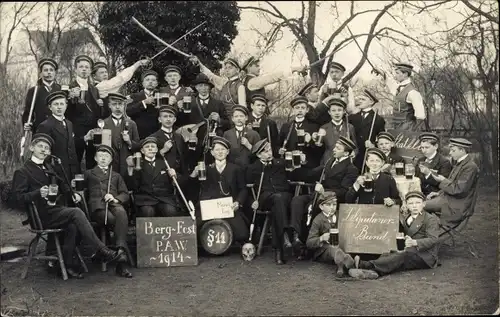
[
  {"x": 406, "y": 144},
  {"x": 216, "y": 236},
  {"x": 368, "y": 228},
  {"x": 166, "y": 241}
]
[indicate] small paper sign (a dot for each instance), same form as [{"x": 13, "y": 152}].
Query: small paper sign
[{"x": 219, "y": 208}]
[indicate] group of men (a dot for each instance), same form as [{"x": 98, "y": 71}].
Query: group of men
[{"x": 172, "y": 140}]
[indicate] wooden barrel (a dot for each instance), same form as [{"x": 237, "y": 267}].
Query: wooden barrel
[{"x": 216, "y": 236}]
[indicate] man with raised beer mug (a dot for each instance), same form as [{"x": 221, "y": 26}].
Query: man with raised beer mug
[
  {"x": 334, "y": 86},
  {"x": 261, "y": 123},
  {"x": 420, "y": 230},
  {"x": 374, "y": 187},
  {"x": 39, "y": 183},
  {"x": 323, "y": 236},
  {"x": 152, "y": 184}
]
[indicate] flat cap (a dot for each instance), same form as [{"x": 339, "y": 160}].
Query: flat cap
[
  {"x": 404, "y": 67},
  {"x": 172, "y": 68},
  {"x": 98, "y": 65},
  {"x": 37, "y": 137},
  {"x": 306, "y": 89},
  {"x": 337, "y": 102},
  {"x": 428, "y": 136},
  {"x": 168, "y": 108},
  {"x": 386, "y": 135},
  {"x": 260, "y": 98},
  {"x": 378, "y": 152},
  {"x": 348, "y": 144},
  {"x": 414, "y": 193},
  {"x": 105, "y": 148},
  {"x": 47, "y": 61},
  {"x": 149, "y": 139},
  {"x": 85, "y": 58},
  {"x": 222, "y": 141},
  {"x": 326, "y": 197},
  {"x": 337, "y": 66},
  {"x": 460, "y": 142},
  {"x": 251, "y": 60},
  {"x": 233, "y": 62},
  {"x": 117, "y": 96},
  {"x": 56, "y": 95},
  {"x": 259, "y": 146},
  {"x": 149, "y": 73},
  {"x": 298, "y": 100},
  {"x": 240, "y": 108},
  {"x": 370, "y": 95}
]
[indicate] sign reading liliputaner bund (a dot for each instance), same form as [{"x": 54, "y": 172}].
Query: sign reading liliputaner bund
[
  {"x": 166, "y": 241},
  {"x": 368, "y": 228},
  {"x": 406, "y": 144}
]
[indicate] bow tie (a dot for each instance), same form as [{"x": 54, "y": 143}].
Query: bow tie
[
  {"x": 204, "y": 101},
  {"x": 104, "y": 170}
]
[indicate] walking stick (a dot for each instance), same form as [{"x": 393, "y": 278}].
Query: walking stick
[
  {"x": 285, "y": 142},
  {"x": 249, "y": 244},
  {"x": 369, "y": 138},
  {"x": 189, "y": 205},
  {"x": 107, "y": 203},
  {"x": 26, "y": 139},
  {"x": 269, "y": 137}
]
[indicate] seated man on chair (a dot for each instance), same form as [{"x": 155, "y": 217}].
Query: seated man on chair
[
  {"x": 457, "y": 194},
  {"x": 421, "y": 231},
  {"x": 97, "y": 180},
  {"x": 31, "y": 184}
]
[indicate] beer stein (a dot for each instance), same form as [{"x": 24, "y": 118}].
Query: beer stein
[
  {"x": 332, "y": 87},
  {"x": 334, "y": 236},
  {"x": 288, "y": 161},
  {"x": 400, "y": 168},
  {"x": 301, "y": 135},
  {"x": 296, "y": 159},
  {"x": 192, "y": 143},
  {"x": 256, "y": 125},
  {"x": 400, "y": 241},
  {"x": 52, "y": 195},
  {"x": 202, "y": 171},
  {"x": 65, "y": 88},
  {"x": 79, "y": 182},
  {"x": 97, "y": 137},
  {"x": 409, "y": 171},
  {"x": 368, "y": 184},
  {"x": 186, "y": 104},
  {"x": 321, "y": 135},
  {"x": 82, "y": 95},
  {"x": 137, "y": 161}
]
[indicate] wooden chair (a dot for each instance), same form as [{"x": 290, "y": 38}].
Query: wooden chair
[
  {"x": 267, "y": 225},
  {"x": 40, "y": 233},
  {"x": 299, "y": 185}
]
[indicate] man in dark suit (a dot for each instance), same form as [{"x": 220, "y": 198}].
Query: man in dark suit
[
  {"x": 431, "y": 162},
  {"x": 143, "y": 108},
  {"x": 240, "y": 137},
  {"x": 84, "y": 108},
  {"x": 124, "y": 134},
  {"x": 31, "y": 184},
  {"x": 153, "y": 187},
  {"x": 421, "y": 230},
  {"x": 339, "y": 175},
  {"x": 274, "y": 195},
  {"x": 224, "y": 179},
  {"x": 46, "y": 84},
  {"x": 61, "y": 131},
  {"x": 97, "y": 180},
  {"x": 174, "y": 91},
  {"x": 383, "y": 188},
  {"x": 259, "y": 122},
  {"x": 458, "y": 193},
  {"x": 363, "y": 122},
  {"x": 385, "y": 142}
]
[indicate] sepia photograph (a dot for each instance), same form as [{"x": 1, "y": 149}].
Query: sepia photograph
[{"x": 249, "y": 158}]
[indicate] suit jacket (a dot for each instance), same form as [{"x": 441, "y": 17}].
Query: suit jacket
[
  {"x": 122, "y": 150},
  {"x": 40, "y": 110},
  {"x": 26, "y": 185},
  {"x": 275, "y": 178},
  {"x": 338, "y": 178},
  {"x": 176, "y": 156},
  {"x": 383, "y": 187},
  {"x": 459, "y": 192},
  {"x": 84, "y": 116},
  {"x": 200, "y": 112},
  {"x": 439, "y": 163},
  {"x": 238, "y": 154},
  {"x": 332, "y": 135},
  {"x": 424, "y": 229},
  {"x": 362, "y": 128},
  {"x": 262, "y": 131},
  {"x": 312, "y": 152},
  {"x": 319, "y": 226},
  {"x": 229, "y": 183},
  {"x": 64, "y": 143},
  {"x": 97, "y": 184},
  {"x": 145, "y": 118}
]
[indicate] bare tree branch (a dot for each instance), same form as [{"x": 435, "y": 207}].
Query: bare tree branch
[{"x": 480, "y": 12}]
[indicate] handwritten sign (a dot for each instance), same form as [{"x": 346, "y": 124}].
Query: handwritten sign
[
  {"x": 217, "y": 208},
  {"x": 166, "y": 241},
  {"x": 368, "y": 228},
  {"x": 216, "y": 236},
  {"x": 406, "y": 144}
]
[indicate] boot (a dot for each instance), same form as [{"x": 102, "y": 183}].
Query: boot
[
  {"x": 107, "y": 255},
  {"x": 296, "y": 243}
]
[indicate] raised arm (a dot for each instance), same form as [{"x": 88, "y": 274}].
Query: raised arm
[{"x": 114, "y": 84}]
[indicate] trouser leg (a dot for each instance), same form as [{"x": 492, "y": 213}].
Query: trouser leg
[
  {"x": 278, "y": 204},
  {"x": 169, "y": 210},
  {"x": 334, "y": 254},
  {"x": 239, "y": 226},
  {"x": 117, "y": 218},
  {"x": 147, "y": 211},
  {"x": 298, "y": 209},
  {"x": 69, "y": 243}
]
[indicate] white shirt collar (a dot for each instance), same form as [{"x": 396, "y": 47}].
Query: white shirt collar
[
  {"x": 115, "y": 117},
  {"x": 342, "y": 158},
  {"x": 256, "y": 117},
  {"x": 36, "y": 160},
  {"x": 82, "y": 82},
  {"x": 58, "y": 118},
  {"x": 204, "y": 98},
  {"x": 174, "y": 87},
  {"x": 405, "y": 82},
  {"x": 220, "y": 163},
  {"x": 46, "y": 83},
  {"x": 239, "y": 129},
  {"x": 432, "y": 156},
  {"x": 150, "y": 160},
  {"x": 234, "y": 77},
  {"x": 337, "y": 123},
  {"x": 299, "y": 120},
  {"x": 367, "y": 109},
  {"x": 462, "y": 158},
  {"x": 166, "y": 129}
]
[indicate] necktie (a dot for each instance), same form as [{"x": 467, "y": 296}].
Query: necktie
[
  {"x": 104, "y": 170},
  {"x": 168, "y": 134},
  {"x": 365, "y": 114},
  {"x": 117, "y": 121},
  {"x": 49, "y": 88},
  {"x": 298, "y": 125}
]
